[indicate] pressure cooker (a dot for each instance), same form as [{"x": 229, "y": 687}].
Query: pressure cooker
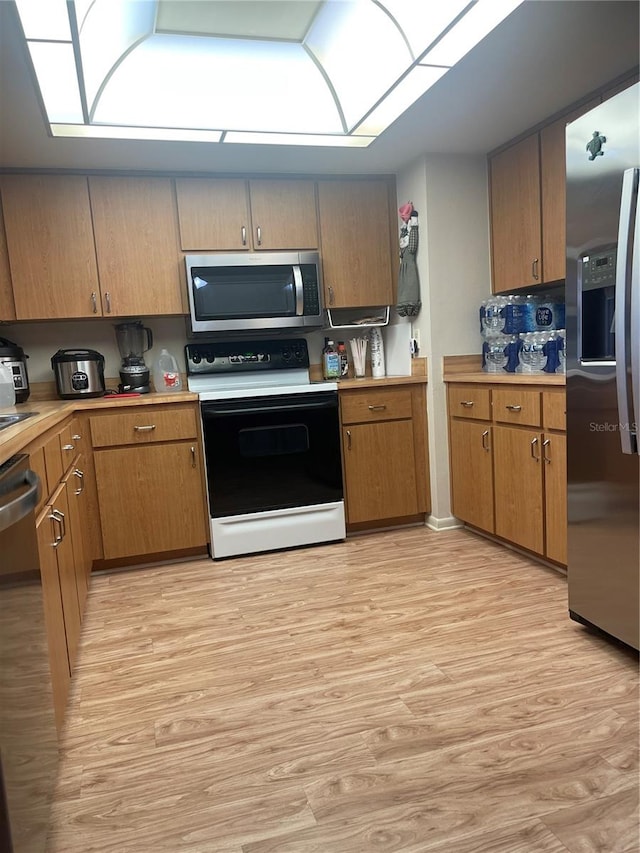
[
  {"x": 13, "y": 356},
  {"x": 79, "y": 373}
]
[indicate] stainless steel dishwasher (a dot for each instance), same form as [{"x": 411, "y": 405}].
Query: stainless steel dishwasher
[{"x": 28, "y": 738}]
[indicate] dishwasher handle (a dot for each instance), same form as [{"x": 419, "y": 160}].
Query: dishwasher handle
[{"x": 15, "y": 509}]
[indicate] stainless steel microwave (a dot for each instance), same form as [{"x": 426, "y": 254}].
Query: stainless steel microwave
[{"x": 254, "y": 290}]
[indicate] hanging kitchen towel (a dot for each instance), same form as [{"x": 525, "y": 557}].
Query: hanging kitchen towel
[{"x": 408, "y": 280}]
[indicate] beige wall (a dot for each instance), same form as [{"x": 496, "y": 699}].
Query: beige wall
[{"x": 450, "y": 194}]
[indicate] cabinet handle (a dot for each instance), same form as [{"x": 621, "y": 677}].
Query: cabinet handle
[
  {"x": 76, "y": 437},
  {"x": 259, "y": 235},
  {"x": 57, "y": 537},
  {"x": 94, "y": 302},
  {"x": 466, "y": 403},
  {"x": 534, "y": 444},
  {"x": 80, "y": 475},
  {"x": 193, "y": 457},
  {"x": 331, "y": 300},
  {"x": 348, "y": 439},
  {"x": 545, "y": 456},
  {"x": 514, "y": 408},
  {"x": 243, "y": 233},
  {"x": 107, "y": 299},
  {"x": 68, "y": 447},
  {"x": 58, "y": 517},
  {"x": 485, "y": 441},
  {"x": 377, "y": 408},
  {"x": 146, "y": 428},
  {"x": 534, "y": 269}
]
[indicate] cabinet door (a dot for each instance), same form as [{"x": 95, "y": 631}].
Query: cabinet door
[
  {"x": 78, "y": 523},
  {"x": 213, "y": 214},
  {"x": 51, "y": 248},
  {"x": 356, "y": 243},
  {"x": 516, "y": 242},
  {"x": 7, "y": 305},
  {"x": 470, "y": 457},
  {"x": 67, "y": 572},
  {"x": 553, "y": 184},
  {"x": 283, "y": 214},
  {"x": 150, "y": 498},
  {"x": 555, "y": 490},
  {"x": 54, "y": 616},
  {"x": 517, "y": 476},
  {"x": 137, "y": 245},
  {"x": 380, "y": 471}
]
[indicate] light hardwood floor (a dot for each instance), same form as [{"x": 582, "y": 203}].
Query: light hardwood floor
[{"x": 404, "y": 691}]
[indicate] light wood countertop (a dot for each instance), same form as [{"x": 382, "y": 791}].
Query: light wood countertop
[
  {"x": 468, "y": 368},
  {"x": 52, "y": 412}
]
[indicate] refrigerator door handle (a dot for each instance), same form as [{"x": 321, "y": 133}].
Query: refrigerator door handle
[
  {"x": 623, "y": 292},
  {"x": 635, "y": 328}
]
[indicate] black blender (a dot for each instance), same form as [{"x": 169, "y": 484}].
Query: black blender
[{"x": 134, "y": 340}]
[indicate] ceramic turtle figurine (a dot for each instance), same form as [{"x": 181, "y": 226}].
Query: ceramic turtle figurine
[{"x": 594, "y": 147}]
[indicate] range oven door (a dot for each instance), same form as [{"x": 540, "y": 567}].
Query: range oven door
[{"x": 273, "y": 464}]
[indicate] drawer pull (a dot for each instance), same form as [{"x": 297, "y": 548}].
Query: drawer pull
[
  {"x": 545, "y": 456},
  {"x": 76, "y": 437},
  {"x": 80, "y": 475},
  {"x": 466, "y": 403},
  {"x": 146, "y": 428},
  {"x": 534, "y": 444},
  {"x": 193, "y": 457},
  {"x": 485, "y": 441},
  {"x": 514, "y": 408},
  {"x": 58, "y": 517},
  {"x": 377, "y": 408},
  {"x": 348, "y": 439},
  {"x": 68, "y": 447}
]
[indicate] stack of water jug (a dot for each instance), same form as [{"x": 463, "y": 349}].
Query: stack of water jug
[{"x": 523, "y": 334}]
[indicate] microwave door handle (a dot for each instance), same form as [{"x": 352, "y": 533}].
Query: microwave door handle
[
  {"x": 635, "y": 328},
  {"x": 623, "y": 274},
  {"x": 297, "y": 278}
]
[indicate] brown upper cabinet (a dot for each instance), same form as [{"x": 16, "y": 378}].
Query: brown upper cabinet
[
  {"x": 528, "y": 206},
  {"x": 516, "y": 239},
  {"x": 356, "y": 241},
  {"x": 7, "y": 305},
  {"x": 220, "y": 214},
  {"x": 50, "y": 244},
  {"x": 137, "y": 245}
]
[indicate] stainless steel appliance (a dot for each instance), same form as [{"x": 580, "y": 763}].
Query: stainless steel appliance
[
  {"x": 603, "y": 366},
  {"x": 133, "y": 341},
  {"x": 79, "y": 373},
  {"x": 28, "y": 738},
  {"x": 250, "y": 291},
  {"x": 13, "y": 355},
  {"x": 271, "y": 446}
]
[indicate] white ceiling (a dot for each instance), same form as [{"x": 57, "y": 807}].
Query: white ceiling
[{"x": 548, "y": 54}]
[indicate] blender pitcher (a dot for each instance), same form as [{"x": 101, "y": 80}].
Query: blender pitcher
[{"x": 134, "y": 340}]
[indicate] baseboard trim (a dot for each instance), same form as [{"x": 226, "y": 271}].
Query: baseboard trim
[{"x": 448, "y": 523}]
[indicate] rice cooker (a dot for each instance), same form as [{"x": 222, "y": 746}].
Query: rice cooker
[
  {"x": 13, "y": 356},
  {"x": 79, "y": 373}
]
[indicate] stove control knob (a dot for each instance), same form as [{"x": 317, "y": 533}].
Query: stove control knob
[
  {"x": 286, "y": 354},
  {"x": 210, "y": 358},
  {"x": 298, "y": 354},
  {"x": 196, "y": 358}
]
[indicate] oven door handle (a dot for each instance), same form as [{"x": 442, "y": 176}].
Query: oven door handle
[
  {"x": 281, "y": 407},
  {"x": 297, "y": 277},
  {"x": 13, "y": 510}
]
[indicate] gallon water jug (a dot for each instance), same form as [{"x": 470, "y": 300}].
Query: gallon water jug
[
  {"x": 166, "y": 374},
  {"x": 7, "y": 389}
]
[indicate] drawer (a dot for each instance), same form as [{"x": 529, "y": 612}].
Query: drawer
[
  {"x": 554, "y": 410},
  {"x": 516, "y": 406},
  {"x": 469, "y": 401},
  {"x": 145, "y": 426},
  {"x": 378, "y": 404}
]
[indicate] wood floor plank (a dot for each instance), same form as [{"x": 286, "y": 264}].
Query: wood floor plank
[
  {"x": 400, "y": 692},
  {"x": 609, "y": 825}
]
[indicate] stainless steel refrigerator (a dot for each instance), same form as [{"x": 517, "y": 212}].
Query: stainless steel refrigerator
[{"x": 603, "y": 366}]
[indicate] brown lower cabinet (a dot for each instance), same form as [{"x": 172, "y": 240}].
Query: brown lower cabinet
[
  {"x": 149, "y": 480},
  {"x": 384, "y": 453},
  {"x": 507, "y": 456}
]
